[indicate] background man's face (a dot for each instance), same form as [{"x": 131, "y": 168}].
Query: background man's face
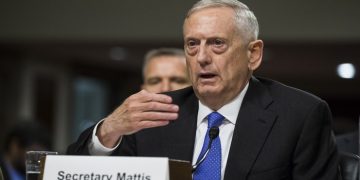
[
  {"x": 17, "y": 151},
  {"x": 216, "y": 55},
  {"x": 165, "y": 73}
]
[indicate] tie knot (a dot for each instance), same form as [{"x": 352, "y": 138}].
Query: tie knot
[{"x": 215, "y": 119}]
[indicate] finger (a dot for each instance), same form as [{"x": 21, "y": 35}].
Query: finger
[
  {"x": 144, "y": 96},
  {"x": 162, "y": 98},
  {"x": 152, "y": 124},
  {"x": 158, "y": 116},
  {"x": 136, "y": 107},
  {"x": 156, "y": 106}
]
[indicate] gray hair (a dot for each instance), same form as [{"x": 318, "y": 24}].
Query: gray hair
[
  {"x": 161, "y": 52},
  {"x": 244, "y": 17}
]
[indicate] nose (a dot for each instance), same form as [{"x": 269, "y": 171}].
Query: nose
[
  {"x": 165, "y": 86},
  {"x": 203, "y": 57}
]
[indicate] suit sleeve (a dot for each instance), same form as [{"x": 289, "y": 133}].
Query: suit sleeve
[
  {"x": 127, "y": 146},
  {"x": 316, "y": 156},
  {"x": 80, "y": 147}
]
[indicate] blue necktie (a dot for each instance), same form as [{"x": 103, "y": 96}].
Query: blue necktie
[{"x": 210, "y": 168}]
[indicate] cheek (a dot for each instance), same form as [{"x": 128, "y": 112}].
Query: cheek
[
  {"x": 177, "y": 86},
  {"x": 191, "y": 69},
  {"x": 231, "y": 69},
  {"x": 152, "y": 88}
]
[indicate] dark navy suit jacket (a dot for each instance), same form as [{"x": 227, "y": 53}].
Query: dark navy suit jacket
[{"x": 280, "y": 133}]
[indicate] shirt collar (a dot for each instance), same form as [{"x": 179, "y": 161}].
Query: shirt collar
[{"x": 230, "y": 111}]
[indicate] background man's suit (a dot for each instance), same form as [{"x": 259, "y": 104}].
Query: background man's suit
[
  {"x": 4, "y": 173},
  {"x": 280, "y": 132}
]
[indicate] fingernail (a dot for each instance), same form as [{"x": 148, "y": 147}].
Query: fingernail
[{"x": 176, "y": 108}]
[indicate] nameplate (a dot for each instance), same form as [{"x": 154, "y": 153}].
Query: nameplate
[{"x": 58, "y": 167}]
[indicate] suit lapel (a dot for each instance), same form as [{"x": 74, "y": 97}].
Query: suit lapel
[
  {"x": 253, "y": 125},
  {"x": 181, "y": 133}
]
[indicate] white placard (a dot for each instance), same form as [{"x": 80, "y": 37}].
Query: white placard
[{"x": 58, "y": 167}]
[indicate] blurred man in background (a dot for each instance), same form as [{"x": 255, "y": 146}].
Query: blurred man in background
[
  {"x": 164, "y": 69},
  {"x": 24, "y": 136}
]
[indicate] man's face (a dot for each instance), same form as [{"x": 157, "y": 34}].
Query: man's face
[
  {"x": 216, "y": 56},
  {"x": 165, "y": 73}
]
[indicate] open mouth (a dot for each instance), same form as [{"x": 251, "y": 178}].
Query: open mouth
[{"x": 207, "y": 75}]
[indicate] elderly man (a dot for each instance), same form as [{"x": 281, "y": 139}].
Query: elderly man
[
  {"x": 229, "y": 124},
  {"x": 164, "y": 69}
]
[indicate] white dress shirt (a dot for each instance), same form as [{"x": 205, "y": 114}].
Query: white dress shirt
[
  {"x": 95, "y": 146},
  {"x": 230, "y": 111}
]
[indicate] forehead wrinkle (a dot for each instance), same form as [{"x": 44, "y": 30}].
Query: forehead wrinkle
[{"x": 205, "y": 20}]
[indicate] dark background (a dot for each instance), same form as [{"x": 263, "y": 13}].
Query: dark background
[{"x": 68, "y": 64}]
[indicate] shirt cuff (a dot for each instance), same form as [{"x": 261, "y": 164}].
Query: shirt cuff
[{"x": 95, "y": 146}]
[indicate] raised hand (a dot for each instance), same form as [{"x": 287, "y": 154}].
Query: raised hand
[{"x": 139, "y": 111}]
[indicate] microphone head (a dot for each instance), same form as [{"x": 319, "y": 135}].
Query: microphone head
[{"x": 214, "y": 132}]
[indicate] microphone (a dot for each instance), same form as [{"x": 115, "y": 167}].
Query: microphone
[{"x": 213, "y": 133}]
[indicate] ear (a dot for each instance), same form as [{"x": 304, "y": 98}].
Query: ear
[{"x": 255, "y": 50}]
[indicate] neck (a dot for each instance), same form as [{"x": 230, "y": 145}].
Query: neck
[{"x": 215, "y": 102}]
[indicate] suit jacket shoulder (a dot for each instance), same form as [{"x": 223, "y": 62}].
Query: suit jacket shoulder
[
  {"x": 282, "y": 92},
  {"x": 278, "y": 124}
]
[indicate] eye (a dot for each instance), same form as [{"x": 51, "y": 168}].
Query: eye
[
  {"x": 218, "y": 42},
  {"x": 191, "y": 46},
  {"x": 218, "y": 45},
  {"x": 191, "y": 43},
  {"x": 153, "y": 81}
]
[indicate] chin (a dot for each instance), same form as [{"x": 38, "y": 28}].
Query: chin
[{"x": 206, "y": 91}]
